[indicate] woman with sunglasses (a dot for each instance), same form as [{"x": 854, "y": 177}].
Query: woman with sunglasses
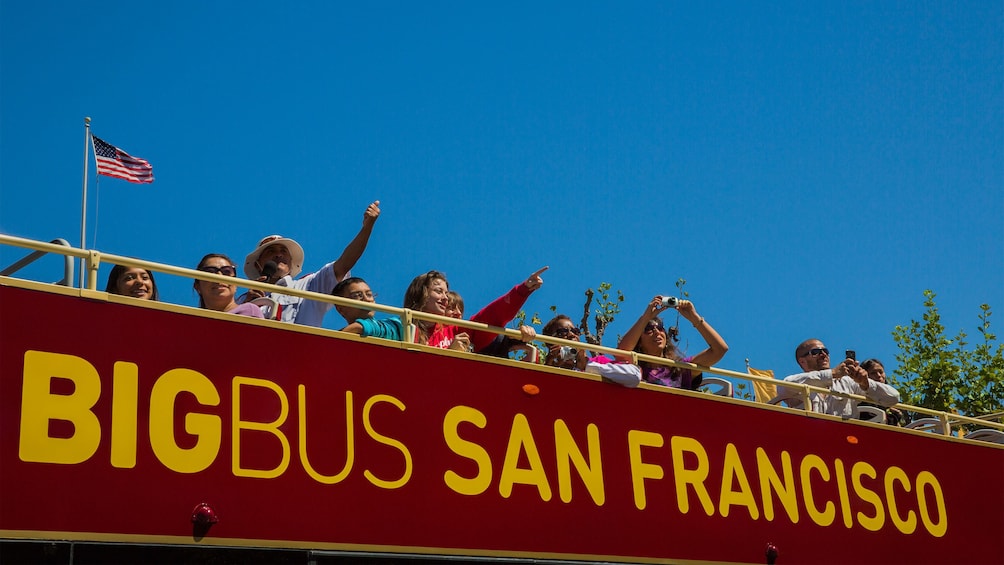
[
  {"x": 649, "y": 336},
  {"x": 220, "y": 296},
  {"x": 576, "y": 359},
  {"x": 565, "y": 357}
]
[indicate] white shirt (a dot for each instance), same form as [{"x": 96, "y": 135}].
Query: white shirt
[
  {"x": 879, "y": 393},
  {"x": 300, "y": 310}
]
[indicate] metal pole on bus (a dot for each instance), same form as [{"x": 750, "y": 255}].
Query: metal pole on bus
[{"x": 83, "y": 201}]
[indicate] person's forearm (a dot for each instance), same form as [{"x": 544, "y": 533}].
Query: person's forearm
[
  {"x": 821, "y": 379},
  {"x": 717, "y": 348},
  {"x": 353, "y": 251},
  {"x": 498, "y": 312},
  {"x": 631, "y": 337},
  {"x": 883, "y": 394},
  {"x": 354, "y": 328},
  {"x": 503, "y": 309}
]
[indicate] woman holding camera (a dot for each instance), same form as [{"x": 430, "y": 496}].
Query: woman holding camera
[
  {"x": 649, "y": 336},
  {"x": 563, "y": 327}
]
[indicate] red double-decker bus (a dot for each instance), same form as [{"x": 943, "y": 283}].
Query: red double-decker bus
[{"x": 146, "y": 432}]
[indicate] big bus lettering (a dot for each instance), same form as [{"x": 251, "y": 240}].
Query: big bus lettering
[
  {"x": 350, "y": 451},
  {"x": 733, "y": 472},
  {"x": 876, "y": 521},
  {"x": 269, "y": 428},
  {"x": 894, "y": 475},
  {"x": 927, "y": 479},
  {"x": 479, "y": 483},
  {"x": 205, "y": 427},
  {"x": 694, "y": 477},
  {"x": 568, "y": 455},
  {"x": 641, "y": 470},
  {"x": 809, "y": 463},
  {"x": 568, "y": 452},
  {"x": 380, "y": 438},
  {"x": 59, "y": 424},
  {"x": 845, "y": 503},
  {"x": 521, "y": 441},
  {"x": 40, "y": 406},
  {"x": 125, "y": 407},
  {"x": 785, "y": 489}
]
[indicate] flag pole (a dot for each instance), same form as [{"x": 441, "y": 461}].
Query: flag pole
[{"x": 83, "y": 201}]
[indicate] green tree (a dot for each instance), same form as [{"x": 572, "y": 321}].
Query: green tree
[
  {"x": 608, "y": 305},
  {"x": 607, "y": 308},
  {"x": 941, "y": 373},
  {"x": 983, "y": 392}
]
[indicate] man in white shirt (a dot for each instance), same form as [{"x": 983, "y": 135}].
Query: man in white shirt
[
  {"x": 847, "y": 377},
  {"x": 277, "y": 260}
]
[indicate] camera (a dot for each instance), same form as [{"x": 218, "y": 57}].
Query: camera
[
  {"x": 670, "y": 302},
  {"x": 566, "y": 353}
]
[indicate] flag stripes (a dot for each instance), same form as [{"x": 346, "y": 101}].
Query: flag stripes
[{"x": 114, "y": 162}]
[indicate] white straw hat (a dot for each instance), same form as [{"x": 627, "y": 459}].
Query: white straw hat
[{"x": 295, "y": 256}]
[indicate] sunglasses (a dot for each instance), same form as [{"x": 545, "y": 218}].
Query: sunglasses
[
  {"x": 225, "y": 270},
  {"x": 817, "y": 351},
  {"x": 653, "y": 327},
  {"x": 360, "y": 295},
  {"x": 563, "y": 332}
]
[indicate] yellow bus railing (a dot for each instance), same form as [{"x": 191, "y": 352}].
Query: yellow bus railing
[
  {"x": 36, "y": 254},
  {"x": 93, "y": 260}
]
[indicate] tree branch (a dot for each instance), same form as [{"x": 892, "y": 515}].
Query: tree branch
[{"x": 584, "y": 324}]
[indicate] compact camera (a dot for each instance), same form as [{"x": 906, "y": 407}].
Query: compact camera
[
  {"x": 566, "y": 353},
  {"x": 670, "y": 302}
]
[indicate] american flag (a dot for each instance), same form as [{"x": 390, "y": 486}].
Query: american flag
[{"x": 113, "y": 162}]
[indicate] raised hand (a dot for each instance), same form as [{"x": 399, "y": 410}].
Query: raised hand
[
  {"x": 371, "y": 214},
  {"x": 534, "y": 281}
]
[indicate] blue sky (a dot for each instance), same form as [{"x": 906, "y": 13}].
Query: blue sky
[{"x": 809, "y": 168}]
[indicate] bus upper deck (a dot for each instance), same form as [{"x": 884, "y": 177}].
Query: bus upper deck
[{"x": 147, "y": 424}]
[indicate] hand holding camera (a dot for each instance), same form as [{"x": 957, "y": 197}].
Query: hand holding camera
[
  {"x": 565, "y": 357},
  {"x": 567, "y": 354}
]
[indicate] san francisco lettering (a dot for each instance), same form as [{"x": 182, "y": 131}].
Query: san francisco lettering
[{"x": 778, "y": 486}]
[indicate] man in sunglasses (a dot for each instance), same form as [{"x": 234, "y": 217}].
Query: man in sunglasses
[
  {"x": 848, "y": 377},
  {"x": 277, "y": 260}
]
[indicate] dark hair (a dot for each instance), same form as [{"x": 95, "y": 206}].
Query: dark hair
[
  {"x": 339, "y": 289},
  {"x": 870, "y": 364},
  {"x": 415, "y": 297},
  {"x": 669, "y": 351},
  {"x": 113, "y": 279},
  {"x": 552, "y": 325},
  {"x": 202, "y": 263}
]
